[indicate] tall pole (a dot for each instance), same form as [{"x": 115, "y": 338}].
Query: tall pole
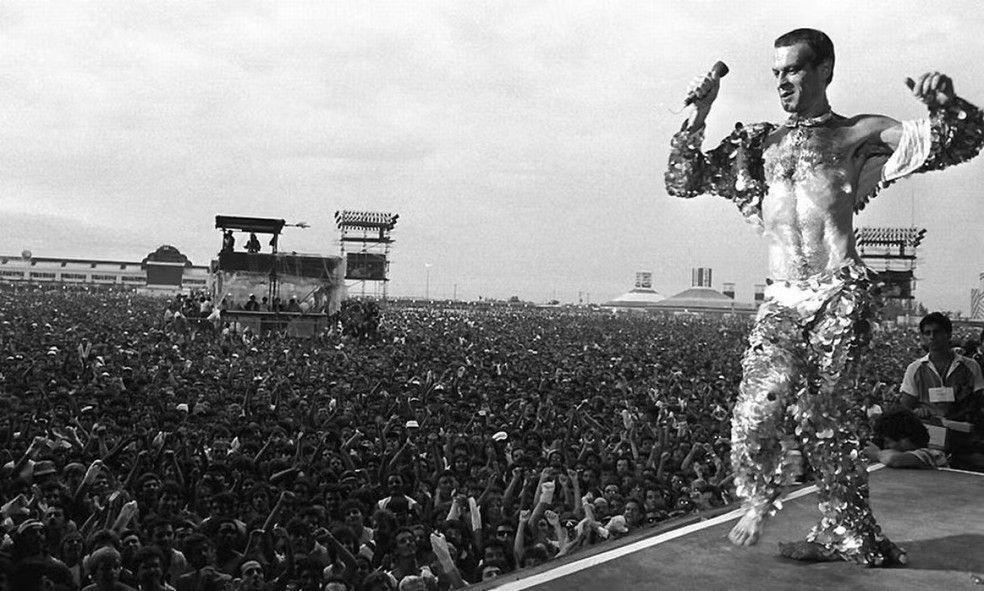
[{"x": 427, "y": 286}]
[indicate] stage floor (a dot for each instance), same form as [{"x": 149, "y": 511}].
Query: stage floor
[{"x": 936, "y": 515}]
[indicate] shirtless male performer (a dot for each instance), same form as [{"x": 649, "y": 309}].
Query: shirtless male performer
[{"x": 802, "y": 181}]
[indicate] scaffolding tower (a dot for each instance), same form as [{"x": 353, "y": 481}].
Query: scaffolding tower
[
  {"x": 891, "y": 252},
  {"x": 365, "y": 244}
]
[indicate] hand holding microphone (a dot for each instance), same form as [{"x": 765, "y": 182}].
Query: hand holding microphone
[
  {"x": 702, "y": 92},
  {"x": 705, "y": 88}
]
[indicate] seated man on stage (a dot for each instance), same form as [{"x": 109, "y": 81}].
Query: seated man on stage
[
  {"x": 902, "y": 441},
  {"x": 801, "y": 182},
  {"x": 944, "y": 385}
]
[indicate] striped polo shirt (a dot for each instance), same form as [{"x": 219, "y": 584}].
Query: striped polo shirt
[{"x": 963, "y": 375}]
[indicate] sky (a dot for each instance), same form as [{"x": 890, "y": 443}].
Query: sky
[{"x": 523, "y": 144}]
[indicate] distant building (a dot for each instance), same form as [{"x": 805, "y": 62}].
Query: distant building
[
  {"x": 700, "y": 277},
  {"x": 642, "y": 297},
  {"x": 165, "y": 269},
  {"x": 700, "y": 299},
  {"x": 706, "y": 302},
  {"x": 636, "y": 299}
]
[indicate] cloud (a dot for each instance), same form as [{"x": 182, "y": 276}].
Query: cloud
[{"x": 526, "y": 136}]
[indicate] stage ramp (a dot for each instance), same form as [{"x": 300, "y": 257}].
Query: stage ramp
[{"x": 936, "y": 515}]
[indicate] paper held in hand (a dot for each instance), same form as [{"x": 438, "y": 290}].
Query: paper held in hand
[{"x": 958, "y": 426}]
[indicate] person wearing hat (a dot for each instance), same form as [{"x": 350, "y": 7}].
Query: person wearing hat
[
  {"x": 43, "y": 471},
  {"x": 33, "y": 563},
  {"x": 71, "y": 475},
  {"x": 25, "y": 465}
]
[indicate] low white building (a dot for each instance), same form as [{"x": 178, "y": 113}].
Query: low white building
[{"x": 165, "y": 269}]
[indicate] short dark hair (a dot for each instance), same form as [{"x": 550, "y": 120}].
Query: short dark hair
[
  {"x": 156, "y": 521},
  {"x": 146, "y": 554},
  {"x": 901, "y": 423},
  {"x": 818, "y": 42},
  {"x": 404, "y": 529},
  {"x": 352, "y": 504},
  {"x": 297, "y": 527},
  {"x": 193, "y": 541},
  {"x": 937, "y": 318},
  {"x": 499, "y": 564},
  {"x": 493, "y": 543},
  {"x": 104, "y": 537},
  {"x": 171, "y": 487},
  {"x": 309, "y": 564},
  {"x": 376, "y": 578},
  {"x": 537, "y": 552},
  {"x": 316, "y": 511}
]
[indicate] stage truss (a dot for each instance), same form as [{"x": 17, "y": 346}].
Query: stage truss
[
  {"x": 891, "y": 252},
  {"x": 365, "y": 242}
]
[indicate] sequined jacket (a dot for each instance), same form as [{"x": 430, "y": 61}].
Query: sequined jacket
[{"x": 735, "y": 169}]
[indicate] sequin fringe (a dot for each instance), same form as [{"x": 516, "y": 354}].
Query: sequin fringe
[{"x": 799, "y": 389}]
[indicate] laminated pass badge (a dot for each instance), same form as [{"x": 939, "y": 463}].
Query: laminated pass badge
[{"x": 944, "y": 394}]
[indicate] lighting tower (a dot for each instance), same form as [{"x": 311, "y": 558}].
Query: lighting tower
[
  {"x": 365, "y": 243},
  {"x": 891, "y": 252}
]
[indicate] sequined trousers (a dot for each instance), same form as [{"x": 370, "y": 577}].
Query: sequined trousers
[{"x": 799, "y": 391}]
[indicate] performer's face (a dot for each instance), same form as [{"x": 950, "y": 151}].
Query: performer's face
[{"x": 801, "y": 84}]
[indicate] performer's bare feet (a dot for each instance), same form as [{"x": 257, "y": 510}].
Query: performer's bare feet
[
  {"x": 894, "y": 556},
  {"x": 807, "y": 551},
  {"x": 748, "y": 529},
  {"x": 891, "y": 555}
]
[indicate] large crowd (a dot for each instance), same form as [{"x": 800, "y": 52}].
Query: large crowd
[{"x": 439, "y": 447}]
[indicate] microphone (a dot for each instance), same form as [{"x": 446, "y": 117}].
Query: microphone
[{"x": 718, "y": 70}]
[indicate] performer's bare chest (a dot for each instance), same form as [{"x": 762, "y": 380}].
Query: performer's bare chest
[
  {"x": 812, "y": 175},
  {"x": 820, "y": 157}
]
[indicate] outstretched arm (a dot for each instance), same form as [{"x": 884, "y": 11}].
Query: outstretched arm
[{"x": 953, "y": 132}]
